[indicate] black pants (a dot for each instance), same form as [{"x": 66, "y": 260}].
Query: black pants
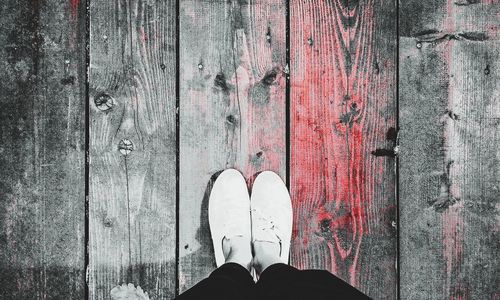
[{"x": 279, "y": 281}]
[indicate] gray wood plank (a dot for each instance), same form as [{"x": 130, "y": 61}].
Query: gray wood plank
[
  {"x": 450, "y": 149},
  {"x": 132, "y": 147},
  {"x": 42, "y": 132},
  {"x": 232, "y": 109}
]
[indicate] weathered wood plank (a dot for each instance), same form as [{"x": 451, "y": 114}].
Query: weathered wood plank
[
  {"x": 42, "y": 149},
  {"x": 132, "y": 147},
  {"x": 232, "y": 109},
  {"x": 450, "y": 149},
  {"x": 343, "y": 114}
]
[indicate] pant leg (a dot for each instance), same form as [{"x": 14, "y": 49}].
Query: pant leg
[
  {"x": 281, "y": 281},
  {"x": 229, "y": 281}
]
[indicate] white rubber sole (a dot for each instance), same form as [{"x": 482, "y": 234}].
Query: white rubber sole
[{"x": 228, "y": 210}]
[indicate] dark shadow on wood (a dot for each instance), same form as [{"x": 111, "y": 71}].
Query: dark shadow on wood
[
  {"x": 203, "y": 235},
  {"x": 251, "y": 180},
  {"x": 203, "y": 256},
  {"x": 59, "y": 282}
]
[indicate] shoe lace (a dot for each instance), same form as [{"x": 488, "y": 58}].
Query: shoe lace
[{"x": 271, "y": 231}]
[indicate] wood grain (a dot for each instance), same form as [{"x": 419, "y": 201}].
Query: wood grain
[
  {"x": 450, "y": 157},
  {"x": 132, "y": 147},
  {"x": 42, "y": 150},
  {"x": 232, "y": 109},
  {"x": 343, "y": 119}
]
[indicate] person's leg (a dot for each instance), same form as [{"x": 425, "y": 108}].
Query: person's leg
[
  {"x": 229, "y": 219},
  {"x": 271, "y": 229},
  {"x": 281, "y": 281},
  {"x": 229, "y": 281},
  {"x": 232, "y": 280},
  {"x": 265, "y": 254}
]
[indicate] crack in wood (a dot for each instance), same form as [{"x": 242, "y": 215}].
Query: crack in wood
[
  {"x": 467, "y": 2},
  {"x": 434, "y": 36}
]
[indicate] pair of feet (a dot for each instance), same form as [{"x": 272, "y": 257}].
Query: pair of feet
[{"x": 252, "y": 231}]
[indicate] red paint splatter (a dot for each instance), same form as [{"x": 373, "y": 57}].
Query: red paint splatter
[
  {"x": 452, "y": 222},
  {"x": 143, "y": 35},
  {"x": 74, "y": 5}
]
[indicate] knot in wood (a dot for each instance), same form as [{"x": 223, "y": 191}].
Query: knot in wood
[
  {"x": 125, "y": 146},
  {"x": 104, "y": 102},
  {"x": 377, "y": 68},
  {"x": 270, "y": 77},
  {"x": 231, "y": 120},
  {"x": 220, "y": 82},
  {"x": 68, "y": 80},
  {"x": 108, "y": 222},
  {"x": 325, "y": 225},
  {"x": 487, "y": 70},
  {"x": 391, "y": 135}
]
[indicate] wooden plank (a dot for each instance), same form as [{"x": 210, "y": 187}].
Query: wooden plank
[
  {"x": 450, "y": 149},
  {"x": 42, "y": 149},
  {"x": 232, "y": 109},
  {"x": 132, "y": 147},
  {"x": 343, "y": 120}
]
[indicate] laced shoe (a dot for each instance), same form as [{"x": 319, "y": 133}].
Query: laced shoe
[
  {"x": 228, "y": 211},
  {"x": 271, "y": 212}
]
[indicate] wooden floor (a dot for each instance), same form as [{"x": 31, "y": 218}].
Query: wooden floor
[{"x": 116, "y": 117}]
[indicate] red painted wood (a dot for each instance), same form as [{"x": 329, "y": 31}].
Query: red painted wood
[
  {"x": 342, "y": 109},
  {"x": 74, "y": 8}
]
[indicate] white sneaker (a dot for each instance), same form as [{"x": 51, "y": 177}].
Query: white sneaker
[
  {"x": 271, "y": 210},
  {"x": 228, "y": 210}
]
